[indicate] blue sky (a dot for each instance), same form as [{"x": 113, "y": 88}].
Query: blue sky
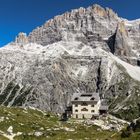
[{"x": 25, "y": 15}]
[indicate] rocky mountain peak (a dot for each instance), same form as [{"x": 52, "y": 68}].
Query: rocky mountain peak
[
  {"x": 97, "y": 9},
  {"x": 75, "y": 24},
  {"x": 21, "y": 39}
]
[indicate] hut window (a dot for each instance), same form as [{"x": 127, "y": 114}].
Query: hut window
[
  {"x": 86, "y": 95},
  {"x": 84, "y": 109},
  {"x": 92, "y": 98},
  {"x": 76, "y": 98}
]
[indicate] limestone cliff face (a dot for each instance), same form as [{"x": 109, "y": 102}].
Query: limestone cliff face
[
  {"x": 121, "y": 46},
  {"x": 79, "y": 51},
  {"x": 118, "y": 43}
]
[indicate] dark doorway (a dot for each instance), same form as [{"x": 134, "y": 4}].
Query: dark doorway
[
  {"x": 103, "y": 112},
  {"x": 68, "y": 111},
  {"x": 138, "y": 62},
  {"x": 64, "y": 117}
]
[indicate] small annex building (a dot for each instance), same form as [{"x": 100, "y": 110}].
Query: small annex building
[{"x": 87, "y": 105}]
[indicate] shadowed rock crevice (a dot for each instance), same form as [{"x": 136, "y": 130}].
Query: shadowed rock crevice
[
  {"x": 98, "y": 82},
  {"x": 111, "y": 43}
]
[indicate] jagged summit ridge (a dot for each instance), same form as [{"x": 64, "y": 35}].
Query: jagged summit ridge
[
  {"x": 96, "y": 9},
  {"x": 72, "y": 24}
]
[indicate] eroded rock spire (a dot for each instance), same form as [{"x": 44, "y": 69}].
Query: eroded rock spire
[{"x": 21, "y": 39}]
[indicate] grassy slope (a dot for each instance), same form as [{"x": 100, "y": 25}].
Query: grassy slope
[{"x": 31, "y": 121}]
